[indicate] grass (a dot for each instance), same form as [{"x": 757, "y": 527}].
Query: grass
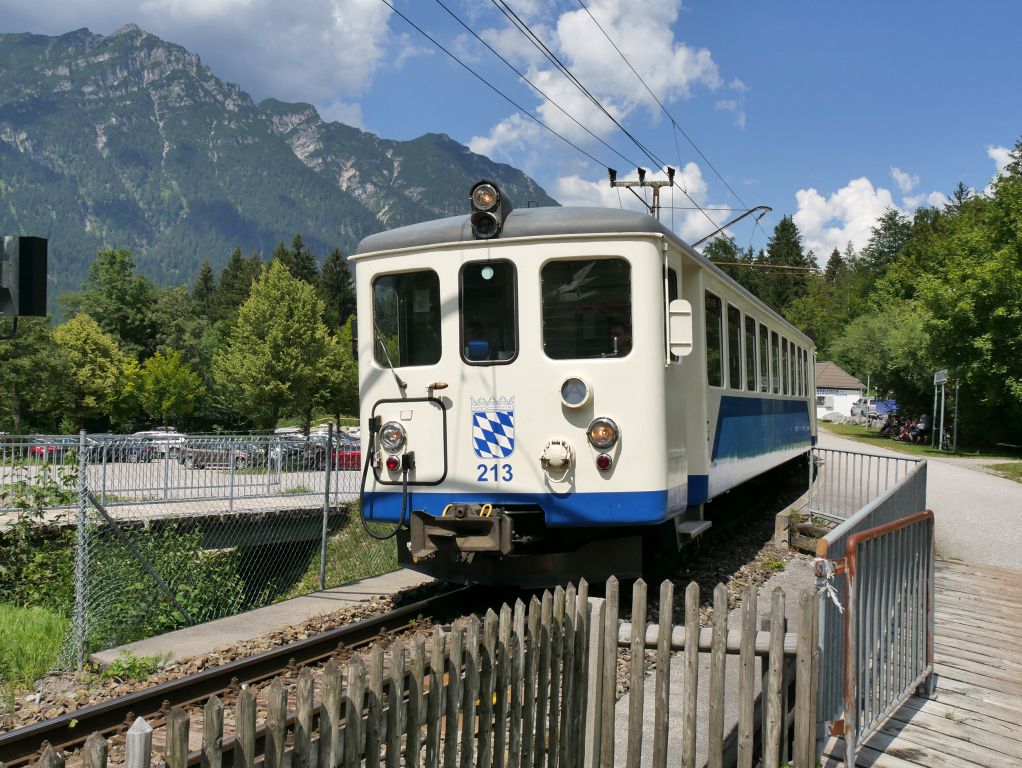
[
  {"x": 872, "y": 437},
  {"x": 775, "y": 565},
  {"x": 29, "y": 643},
  {"x": 350, "y": 555},
  {"x": 1011, "y": 470},
  {"x": 296, "y": 490}
]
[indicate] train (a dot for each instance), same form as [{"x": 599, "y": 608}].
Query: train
[{"x": 544, "y": 391}]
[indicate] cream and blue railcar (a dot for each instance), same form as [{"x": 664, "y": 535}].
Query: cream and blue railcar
[{"x": 541, "y": 389}]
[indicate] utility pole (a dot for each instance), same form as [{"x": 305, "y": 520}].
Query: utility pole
[{"x": 654, "y": 185}]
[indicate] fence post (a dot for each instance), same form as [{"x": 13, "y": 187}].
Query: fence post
[
  {"x": 166, "y": 469},
  {"x": 326, "y": 504},
  {"x": 231, "y": 461},
  {"x": 80, "y": 620}
]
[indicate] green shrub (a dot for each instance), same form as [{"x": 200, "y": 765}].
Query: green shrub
[{"x": 128, "y": 666}]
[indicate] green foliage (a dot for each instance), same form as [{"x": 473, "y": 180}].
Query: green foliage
[
  {"x": 339, "y": 391},
  {"x": 128, "y": 666},
  {"x": 203, "y": 582},
  {"x": 298, "y": 260},
  {"x": 166, "y": 387},
  {"x": 35, "y": 561},
  {"x": 29, "y": 643},
  {"x": 33, "y": 384},
  {"x": 337, "y": 291},
  {"x": 273, "y": 359},
  {"x": 120, "y": 301},
  {"x": 96, "y": 367},
  {"x": 235, "y": 284}
]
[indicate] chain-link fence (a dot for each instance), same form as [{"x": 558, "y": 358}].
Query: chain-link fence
[{"x": 129, "y": 537}]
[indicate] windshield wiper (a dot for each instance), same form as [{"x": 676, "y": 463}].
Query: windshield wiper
[{"x": 386, "y": 353}]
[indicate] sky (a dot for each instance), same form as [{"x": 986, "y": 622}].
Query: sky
[{"x": 827, "y": 112}]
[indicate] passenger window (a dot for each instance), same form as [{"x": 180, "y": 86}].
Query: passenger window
[
  {"x": 714, "y": 341},
  {"x": 489, "y": 328},
  {"x": 750, "y": 354},
  {"x": 734, "y": 347},
  {"x": 775, "y": 363},
  {"x": 406, "y": 315},
  {"x": 764, "y": 367},
  {"x": 587, "y": 308},
  {"x": 801, "y": 391},
  {"x": 785, "y": 370}
]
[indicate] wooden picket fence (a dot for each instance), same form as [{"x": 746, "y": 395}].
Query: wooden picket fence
[{"x": 530, "y": 687}]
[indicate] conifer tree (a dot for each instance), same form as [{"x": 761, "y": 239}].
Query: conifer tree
[
  {"x": 204, "y": 289},
  {"x": 234, "y": 286},
  {"x": 337, "y": 291},
  {"x": 834, "y": 266},
  {"x": 298, "y": 259},
  {"x": 787, "y": 280}
]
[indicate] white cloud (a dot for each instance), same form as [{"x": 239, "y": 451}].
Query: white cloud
[
  {"x": 732, "y": 106},
  {"x": 906, "y": 181},
  {"x": 320, "y": 51},
  {"x": 847, "y": 215},
  {"x": 643, "y": 30},
  {"x": 1001, "y": 157}
]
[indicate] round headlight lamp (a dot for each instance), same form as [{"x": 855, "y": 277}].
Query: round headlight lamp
[
  {"x": 485, "y": 197},
  {"x": 575, "y": 393},
  {"x": 602, "y": 433},
  {"x": 392, "y": 436}
]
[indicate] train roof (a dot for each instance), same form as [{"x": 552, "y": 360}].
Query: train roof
[
  {"x": 551, "y": 221},
  {"x": 521, "y": 222}
]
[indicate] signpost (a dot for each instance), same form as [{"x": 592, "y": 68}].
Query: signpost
[{"x": 940, "y": 380}]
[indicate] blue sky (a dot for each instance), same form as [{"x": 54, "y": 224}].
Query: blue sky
[{"x": 830, "y": 112}]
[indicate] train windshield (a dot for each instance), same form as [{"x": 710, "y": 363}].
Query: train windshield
[
  {"x": 406, "y": 315},
  {"x": 489, "y": 328},
  {"x": 587, "y": 308}
]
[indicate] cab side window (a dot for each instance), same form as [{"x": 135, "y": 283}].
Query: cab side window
[{"x": 714, "y": 340}]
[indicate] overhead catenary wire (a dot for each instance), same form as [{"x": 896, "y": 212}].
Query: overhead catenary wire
[
  {"x": 524, "y": 28},
  {"x": 667, "y": 112},
  {"x": 531, "y": 84},
  {"x": 489, "y": 85}
]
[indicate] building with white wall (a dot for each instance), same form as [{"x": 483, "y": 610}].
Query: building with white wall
[{"x": 836, "y": 389}]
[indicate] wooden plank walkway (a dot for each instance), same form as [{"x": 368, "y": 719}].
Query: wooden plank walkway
[{"x": 975, "y": 717}]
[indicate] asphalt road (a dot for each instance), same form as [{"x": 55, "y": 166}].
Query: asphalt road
[{"x": 978, "y": 515}]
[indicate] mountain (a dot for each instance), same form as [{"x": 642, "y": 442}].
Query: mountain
[{"x": 128, "y": 141}]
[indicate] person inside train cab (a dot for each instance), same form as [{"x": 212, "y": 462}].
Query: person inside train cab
[{"x": 620, "y": 338}]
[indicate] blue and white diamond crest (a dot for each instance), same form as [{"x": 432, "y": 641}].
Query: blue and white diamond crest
[{"x": 493, "y": 427}]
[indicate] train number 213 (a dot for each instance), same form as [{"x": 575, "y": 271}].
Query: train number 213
[{"x": 491, "y": 473}]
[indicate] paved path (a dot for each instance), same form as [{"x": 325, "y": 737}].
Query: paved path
[{"x": 978, "y": 515}]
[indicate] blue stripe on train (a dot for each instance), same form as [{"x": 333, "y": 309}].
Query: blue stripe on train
[
  {"x": 753, "y": 426},
  {"x": 572, "y": 509}
]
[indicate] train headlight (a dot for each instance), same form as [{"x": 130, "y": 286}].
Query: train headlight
[
  {"x": 602, "y": 433},
  {"x": 575, "y": 393},
  {"x": 489, "y": 209},
  {"x": 392, "y": 436}
]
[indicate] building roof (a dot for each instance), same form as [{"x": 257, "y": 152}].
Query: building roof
[{"x": 831, "y": 376}]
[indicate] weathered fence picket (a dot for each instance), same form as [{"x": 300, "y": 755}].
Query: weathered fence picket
[{"x": 534, "y": 687}]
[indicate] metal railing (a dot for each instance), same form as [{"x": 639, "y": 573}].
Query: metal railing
[
  {"x": 127, "y": 469},
  {"x": 843, "y": 482},
  {"x": 888, "y": 624},
  {"x": 896, "y": 504}
]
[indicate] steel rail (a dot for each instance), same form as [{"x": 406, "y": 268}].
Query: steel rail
[{"x": 22, "y": 746}]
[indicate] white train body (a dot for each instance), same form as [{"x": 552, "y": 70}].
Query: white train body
[{"x": 568, "y": 291}]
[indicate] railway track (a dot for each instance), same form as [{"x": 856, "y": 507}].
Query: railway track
[{"x": 23, "y": 746}]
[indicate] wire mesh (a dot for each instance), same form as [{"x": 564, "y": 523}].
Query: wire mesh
[{"x": 150, "y": 535}]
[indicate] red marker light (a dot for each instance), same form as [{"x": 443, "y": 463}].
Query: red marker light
[
  {"x": 393, "y": 463},
  {"x": 603, "y": 461}
]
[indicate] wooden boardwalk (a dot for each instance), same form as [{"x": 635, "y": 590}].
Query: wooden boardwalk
[{"x": 975, "y": 716}]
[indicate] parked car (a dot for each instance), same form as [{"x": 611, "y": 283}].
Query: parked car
[
  {"x": 348, "y": 455},
  {"x": 864, "y": 406},
  {"x": 199, "y": 454},
  {"x": 295, "y": 452},
  {"x": 166, "y": 440},
  {"x": 50, "y": 447},
  {"x": 113, "y": 448}
]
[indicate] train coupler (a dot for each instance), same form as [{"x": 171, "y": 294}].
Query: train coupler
[{"x": 461, "y": 529}]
